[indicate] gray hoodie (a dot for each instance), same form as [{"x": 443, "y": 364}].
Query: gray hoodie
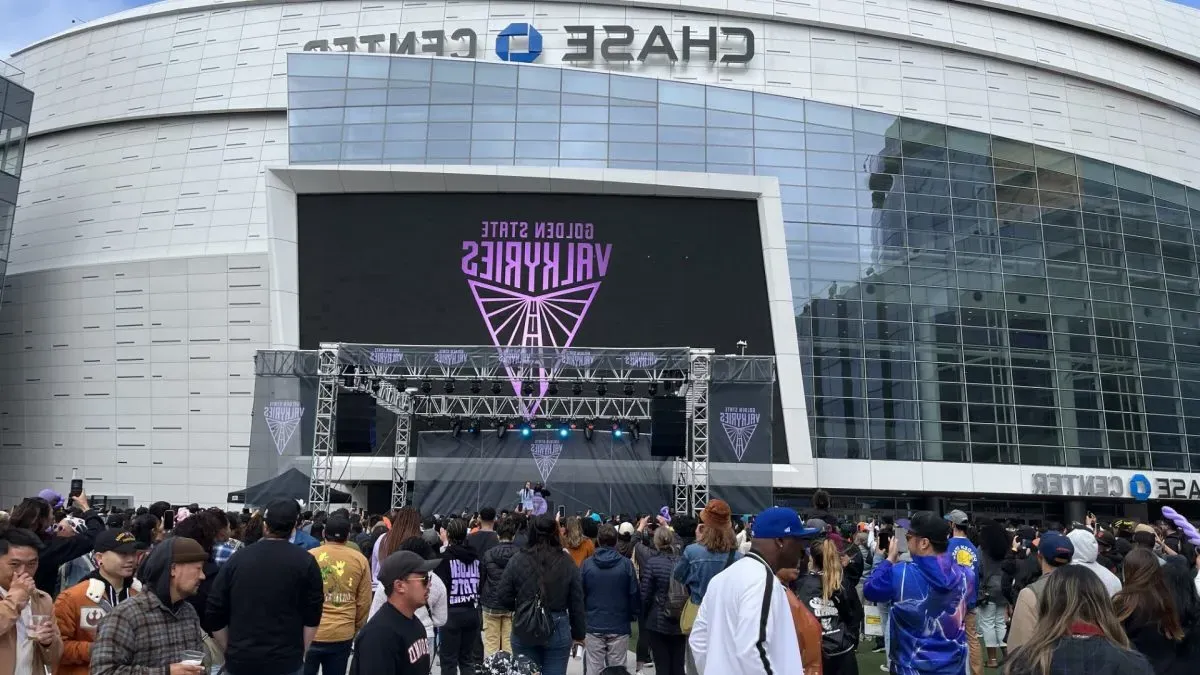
[{"x": 1086, "y": 550}]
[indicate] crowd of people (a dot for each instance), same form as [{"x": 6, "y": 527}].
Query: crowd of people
[{"x": 280, "y": 591}]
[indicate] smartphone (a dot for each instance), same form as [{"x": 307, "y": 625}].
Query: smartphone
[
  {"x": 901, "y": 540},
  {"x": 76, "y": 487},
  {"x": 885, "y": 540},
  {"x": 562, "y": 512}
]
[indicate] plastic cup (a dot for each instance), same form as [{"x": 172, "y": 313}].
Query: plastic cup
[{"x": 191, "y": 657}]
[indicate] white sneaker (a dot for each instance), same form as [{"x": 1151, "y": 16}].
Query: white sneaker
[{"x": 885, "y": 668}]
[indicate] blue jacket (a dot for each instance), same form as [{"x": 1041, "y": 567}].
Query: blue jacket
[
  {"x": 610, "y": 593},
  {"x": 304, "y": 540},
  {"x": 929, "y": 608},
  {"x": 963, "y": 552},
  {"x": 698, "y": 565}
]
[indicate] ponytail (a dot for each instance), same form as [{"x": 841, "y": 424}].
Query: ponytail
[{"x": 831, "y": 569}]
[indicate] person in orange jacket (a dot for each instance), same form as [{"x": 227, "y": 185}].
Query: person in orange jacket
[{"x": 79, "y": 609}]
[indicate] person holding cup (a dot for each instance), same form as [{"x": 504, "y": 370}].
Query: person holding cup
[{"x": 29, "y": 640}]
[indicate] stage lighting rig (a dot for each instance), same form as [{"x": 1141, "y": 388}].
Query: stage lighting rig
[
  {"x": 456, "y": 427},
  {"x": 475, "y": 386},
  {"x": 448, "y": 387},
  {"x": 652, "y": 389},
  {"x": 589, "y": 428},
  {"x": 602, "y": 389},
  {"x": 635, "y": 430},
  {"x": 426, "y": 386},
  {"x": 527, "y": 388},
  {"x": 616, "y": 429},
  {"x": 628, "y": 389},
  {"x": 497, "y": 388},
  {"x": 473, "y": 426},
  {"x": 577, "y": 389},
  {"x": 501, "y": 428},
  {"x": 526, "y": 430},
  {"x": 564, "y": 430},
  {"x": 552, "y": 389}
]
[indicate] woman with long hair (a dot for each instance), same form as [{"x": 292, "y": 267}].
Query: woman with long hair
[
  {"x": 543, "y": 570},
  {"x": 828, "y": 594},
  {"x": 667, "y": 643},
  {"x": 1077, "y": 631},
  {"x": 1147, "y": 609},
  {"x": 406, "y": 522},
  {"x": 576, "y": 543},
  {"x": 715, "y": 549},
  {"x": 994, "y": 548}
]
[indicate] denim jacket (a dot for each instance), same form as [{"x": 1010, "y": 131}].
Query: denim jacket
[{"x": 698, "y": 565}]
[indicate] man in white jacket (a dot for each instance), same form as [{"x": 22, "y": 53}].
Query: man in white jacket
[
  {"x": 1086, "y": 551},
  {"x": 745, "y": 626}
]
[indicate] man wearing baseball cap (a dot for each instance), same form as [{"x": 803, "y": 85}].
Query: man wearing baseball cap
[
  {"x": 393, "y": 642},
  {"x": 79, "y": 609},
  {"x": 1053, "y": 551},
  {"x": 730, "y": 635},
  {"x": 928, "y": 599}
]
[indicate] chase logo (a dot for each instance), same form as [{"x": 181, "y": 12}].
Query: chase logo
[
  {"x": 504, "y": 43},
  {"x": 1139, "y": 487}
]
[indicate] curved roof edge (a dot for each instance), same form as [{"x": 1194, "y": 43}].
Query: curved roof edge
[{"x": 169, "y": 7}]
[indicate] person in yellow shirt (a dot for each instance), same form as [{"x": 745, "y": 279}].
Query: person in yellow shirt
[{"x": 346, "y": 576}]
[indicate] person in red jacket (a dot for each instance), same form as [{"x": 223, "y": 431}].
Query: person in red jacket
[{"x": 79, "y": 609}]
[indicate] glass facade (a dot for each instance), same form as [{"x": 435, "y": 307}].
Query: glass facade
[
  {"x": 959, "y": 297},
  {"x": 16, "y": 104}
]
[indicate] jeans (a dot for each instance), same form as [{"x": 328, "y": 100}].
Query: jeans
[
  {"x": 885, "y": 620},
  {"x": 667, "y": 651},
  {"x": 328, "y": 657},
  {"x": 458, "y": 639},
  {"x": 497, "y": 632},
  {"x": 990, "y": 619},
  {"x": 551, "y": 657},
  {"x": 602, "y": 651}
]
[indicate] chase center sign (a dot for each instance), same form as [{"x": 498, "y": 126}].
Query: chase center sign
[{"x": 521, "y": 42}]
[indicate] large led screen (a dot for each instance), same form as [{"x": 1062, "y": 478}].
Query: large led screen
[{"x": 507, "y": 269}]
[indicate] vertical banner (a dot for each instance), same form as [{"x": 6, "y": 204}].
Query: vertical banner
[
  {"x": 282, "y": 427},
  {"x": 604, "y": 475},
  {"x": 739, "y": 445}
]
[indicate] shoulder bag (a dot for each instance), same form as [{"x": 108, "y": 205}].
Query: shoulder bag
[
  {"x": 690, "y": 609},
  {"x": 531, "y": 621}
]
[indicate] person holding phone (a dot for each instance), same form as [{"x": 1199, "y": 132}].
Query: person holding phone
[
  {"x": 929, "y": 600},
  {"x": 29, "y": 639}
]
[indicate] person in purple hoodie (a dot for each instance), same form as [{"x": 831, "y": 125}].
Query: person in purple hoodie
[{"x": 928, "y": 599}]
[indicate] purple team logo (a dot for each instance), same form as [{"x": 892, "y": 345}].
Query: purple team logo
[
  {"x": 450, "y": 357},
  {"x": 545, "y": 454},
  {"x": 283, "y": 418},
  {"x": 533, "y": 283},
  {"x": 739, "y": 425},
  {"x": 386, "y": 356}
]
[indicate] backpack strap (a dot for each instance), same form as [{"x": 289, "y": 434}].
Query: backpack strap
[
  {"x": 761, "y": 644},
  {"x": 729, "y": 560}
]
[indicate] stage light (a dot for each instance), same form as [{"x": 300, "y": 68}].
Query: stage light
[
  {"x": 629, "y": 389},
  {"x": 426, "y": 386},
  {"x": 475, "y": 386},
  {"x": 527, "y": 389},
  {"x": 473, "y": 426},
  {"x": 635, "y": 430},
  {"x": 616, "y": 430},
  {"x": 501, "y": 428},
  {"x": 526, "y": 430},
  {"x": 601, "y": 389},
  {"x": 652, "y": 389},
  {"x": 552, "y": 389},
  {"x": 588, "y": 430},
  {"x": 455, "y": 427},
  {"x": 448, "y": 387},
  {"x": 577, "y": 389},
  {"x": 497, "y": 388},
  {"x": 564, "y": 430},
  {"x": 549, "y": 424}
]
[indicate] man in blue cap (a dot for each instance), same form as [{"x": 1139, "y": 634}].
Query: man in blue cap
[
  {"x": 746, "y": 603},
  {"x": 1053, "y": 551}
]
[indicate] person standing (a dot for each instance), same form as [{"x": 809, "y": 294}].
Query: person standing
[
  {"x": 150, "y": 632},
  {"x": 346, "y": 578},
  {"x": 745, "y": 624},
  {"x": 525, "y": 495},
  {"x": 459, "y": 570},
  {"x": 833, "y": 600},
  {"x": 60, "y": 542},
  {"x": 266, "y": 605},
  {"x": 485, "y": 537},
  {"x": 612, "y": 602},
  {"x": 929, "y": 600},
  {"x": 660, "y": 630},
  {"x": 715, "y": 550},
  {"x": 393, "y": 641},
  {"x": 497, "y": 622},
  {"x": 25, "y": 646},
  {"x": 1053, "y": 551},
  {"x": 963, "y": 552},
  {"x": 79, "y": 609}
]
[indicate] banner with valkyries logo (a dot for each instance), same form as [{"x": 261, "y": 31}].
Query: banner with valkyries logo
[
  {"x": 739, "y": 444},
  {"x": 282, "y": 425}
]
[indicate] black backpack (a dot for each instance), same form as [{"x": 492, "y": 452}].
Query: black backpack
[{"x": 531, "y": 621}]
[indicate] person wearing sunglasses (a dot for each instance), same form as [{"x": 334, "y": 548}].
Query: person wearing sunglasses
[
  {"x": 928, "y": 599},
  {"x": 393, "y": 641}
]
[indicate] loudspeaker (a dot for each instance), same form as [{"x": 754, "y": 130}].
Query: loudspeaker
[
  {"x": 355, "y": 423},
  {"x": 668, "y": 426}
]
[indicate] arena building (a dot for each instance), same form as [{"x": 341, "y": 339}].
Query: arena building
[{"x": 969, "y": 242}]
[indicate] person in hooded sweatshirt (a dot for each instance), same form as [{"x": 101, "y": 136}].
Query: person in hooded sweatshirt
[
  {"x": 612, "y": 601},
  {"x": 1086, "y": 552},
  {"x": 827, "y": 592},
  {"x": 460, "y": 571},
  {"x": 148, "y": 632},
  {"x": 497, "y": 621},
  {"x": 929, "y": 600}
]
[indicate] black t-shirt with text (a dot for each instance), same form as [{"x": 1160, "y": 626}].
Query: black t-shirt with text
[{"x": 391, "y": 644}]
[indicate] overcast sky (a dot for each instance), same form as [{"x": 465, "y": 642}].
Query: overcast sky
[{"x": 24, "y": 21}]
